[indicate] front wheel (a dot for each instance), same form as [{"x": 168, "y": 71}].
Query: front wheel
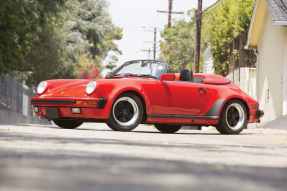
[
  {"x": 126, "y": 113},
  {"x": 67, "y": 124},
  {"x": 233, "y": 118},
  {"x": 167, "y": 128}
]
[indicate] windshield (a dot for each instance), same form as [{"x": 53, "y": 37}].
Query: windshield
[{"x": 141, "y": 68}]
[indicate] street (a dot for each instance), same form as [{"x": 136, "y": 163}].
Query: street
[{"x": 93, "y": 157}]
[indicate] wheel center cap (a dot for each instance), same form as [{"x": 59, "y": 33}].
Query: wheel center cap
[{"x": 125, "y": 111}]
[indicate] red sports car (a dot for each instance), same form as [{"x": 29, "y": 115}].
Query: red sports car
[{"x": 141, "y": 92}]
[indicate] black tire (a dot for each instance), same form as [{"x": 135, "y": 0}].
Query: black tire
[
  {"x": 67, "y": 124},
  {"x": 233, "y": 118},
  {"x": 167, "y": 128},
  {"x": 126, "y": 113}
]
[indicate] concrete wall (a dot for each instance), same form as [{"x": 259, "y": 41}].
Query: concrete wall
[
  {"x": 8, "y": 117},
  {"x": 270, "y": 72},
  {"x": 15, "y": 103},
  {"x": 245, "y": 79}
]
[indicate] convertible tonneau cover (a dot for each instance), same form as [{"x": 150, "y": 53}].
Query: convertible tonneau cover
[{"x": 208, "y": 78}]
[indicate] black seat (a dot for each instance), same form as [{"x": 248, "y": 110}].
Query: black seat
[{"x": 186, "y": 75}]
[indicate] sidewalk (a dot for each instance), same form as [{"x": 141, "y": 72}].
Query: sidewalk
[{"x": 280, "y": 123}]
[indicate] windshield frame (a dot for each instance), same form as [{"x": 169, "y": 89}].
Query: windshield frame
[{"x": 114, "y": 73}]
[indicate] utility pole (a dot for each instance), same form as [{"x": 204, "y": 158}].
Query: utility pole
[
  {"x": 154, "y": 40},
  {"x": 198, "y": 37},
  {"x": 154, "y": 44},
  {"x": 148, "y": 52},
  {"x": 169, "y": 13}
]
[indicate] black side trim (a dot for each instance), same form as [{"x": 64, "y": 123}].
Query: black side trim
[
  {"x": 183, "y": 116},
  {"x": 83, "y": 119},
  {"x": 102, "y": 103},
  {"x": 214, "y": 110},
  {"x": 218, "y": 83},
  {"x": 36, "y": 101}
]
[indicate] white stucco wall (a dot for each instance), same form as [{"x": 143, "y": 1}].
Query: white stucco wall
[
  {"x": 285, "y": 76},
  {"x": 271, "y": 70},
  {"x": 208, "y": 61}
]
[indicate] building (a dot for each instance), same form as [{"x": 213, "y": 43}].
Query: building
[
  {"x": 268, "y": 37},
  {"x": 241, "y": 64}
]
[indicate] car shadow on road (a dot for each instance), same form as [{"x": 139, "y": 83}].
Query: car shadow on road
[
  {"x": 180, "y": 132},
  {"x": 148, "y": 131}
]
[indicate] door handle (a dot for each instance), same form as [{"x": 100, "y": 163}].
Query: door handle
[{"x": 201, "y": 89}]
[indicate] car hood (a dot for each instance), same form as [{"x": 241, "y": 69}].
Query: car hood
[
  {"x": 66, "y": 87},
  {"x": 77, "y": 87}
]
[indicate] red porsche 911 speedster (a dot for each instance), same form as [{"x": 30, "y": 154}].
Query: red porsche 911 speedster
[{"x": 142, "y": 92}]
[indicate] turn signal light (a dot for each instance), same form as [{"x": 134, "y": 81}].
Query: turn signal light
[{"x": 87, "y": 102}]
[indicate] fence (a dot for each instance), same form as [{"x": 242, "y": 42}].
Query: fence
[
  {"x": 237, "y": 56},
  {"x": 15, "y": 100}
]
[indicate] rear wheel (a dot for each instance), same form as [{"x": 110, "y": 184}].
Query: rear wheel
[
  {"x": 126, "y": 113},
  {"x": 67, "y": 124},
  {"x": 167, "y": 128},
  {"x": 233, "y": 118}
]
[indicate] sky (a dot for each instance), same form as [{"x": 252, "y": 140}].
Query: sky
[{"x": 132, "y": 15}]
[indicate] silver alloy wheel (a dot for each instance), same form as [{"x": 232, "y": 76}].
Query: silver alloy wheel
[
  {"x": 235, "y": 116},
  {"x": 125, "y": 111}
]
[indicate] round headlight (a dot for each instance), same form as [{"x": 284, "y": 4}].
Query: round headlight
[
  {"x": 91, "y": 87},
  {"x": 42, "y": 87}
]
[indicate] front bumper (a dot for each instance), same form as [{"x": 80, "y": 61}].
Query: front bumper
[{"x": 64, "y": 106}]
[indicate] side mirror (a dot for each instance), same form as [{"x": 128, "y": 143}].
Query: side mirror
[{"x": 167, "y": 77}]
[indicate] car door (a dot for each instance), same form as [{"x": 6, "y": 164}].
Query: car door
[{"x": 178, "y": 98}]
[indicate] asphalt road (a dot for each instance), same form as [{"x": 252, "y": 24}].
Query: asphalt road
[{"x": 93, "y": 157}]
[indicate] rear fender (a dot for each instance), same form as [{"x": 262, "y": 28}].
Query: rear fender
[{"x": 235, "y": 98}]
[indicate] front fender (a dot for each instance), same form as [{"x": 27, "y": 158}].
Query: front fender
[{"x": 112, "y": 88}]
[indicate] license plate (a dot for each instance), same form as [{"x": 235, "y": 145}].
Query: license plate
[{"x": 52, "y": 113}]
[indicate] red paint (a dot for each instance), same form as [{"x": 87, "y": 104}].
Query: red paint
[
  {"x": 160, "y": 97},
  {"x": 167, "y": 77}
]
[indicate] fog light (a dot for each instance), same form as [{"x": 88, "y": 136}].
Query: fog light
[
  {"x": 36, "y": 109},
  {"x": 76, "y": 110}
]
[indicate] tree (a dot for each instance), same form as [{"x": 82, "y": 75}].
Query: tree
[
  {"x": 22, "y": 24},
  {"x": 18, "y": 25},
  {"x": 178, "y": 45},
  {"x": 91, "y": 34},
  {"x": 222, "y": 24},
  {"x": 44, "y": 39}
]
